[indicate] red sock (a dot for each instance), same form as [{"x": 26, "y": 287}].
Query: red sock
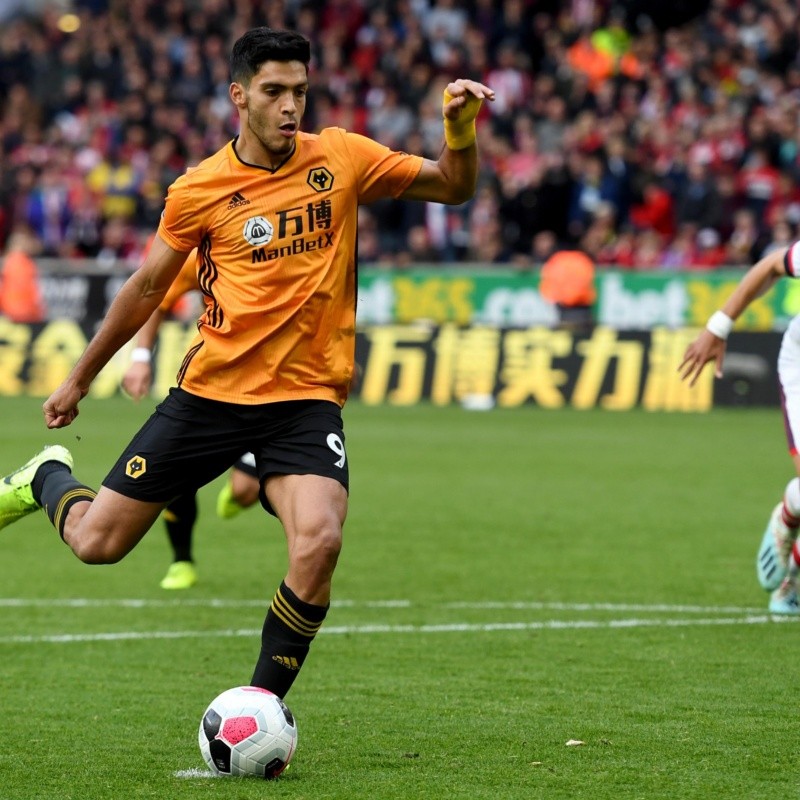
[{"x": 789, "y": 519}]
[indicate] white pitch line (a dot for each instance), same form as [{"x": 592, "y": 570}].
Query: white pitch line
[
  {"x": 556, "y": 606},
  {"x": 84, "y": 602},
  {"x": 211, "y": 602},
  {"x": 459, "y": 627}
]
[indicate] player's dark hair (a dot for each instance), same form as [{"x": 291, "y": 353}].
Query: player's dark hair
[{"x": 258, "y": 45}]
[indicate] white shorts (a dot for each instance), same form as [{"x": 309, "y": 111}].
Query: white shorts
[{"x": 789, "y": 380}]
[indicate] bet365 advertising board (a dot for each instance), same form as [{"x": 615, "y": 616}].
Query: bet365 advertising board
[{"x": 451, "y": 335}]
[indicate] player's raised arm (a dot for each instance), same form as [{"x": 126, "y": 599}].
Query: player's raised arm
[
  {"x": 710, "y": 344},
  {"x": 139, "y": 296},
  {"x": 453, "y": 177}
]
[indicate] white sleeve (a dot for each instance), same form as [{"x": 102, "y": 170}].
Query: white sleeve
[{"x": 791, "y": 261}]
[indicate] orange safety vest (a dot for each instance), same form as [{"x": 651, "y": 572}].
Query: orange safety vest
[
  {"x": 568, "y": 279},
  {"x": 20, "y": 295}
]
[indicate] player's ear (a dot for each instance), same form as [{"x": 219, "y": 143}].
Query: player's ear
[{"x": 238, "y": 95}]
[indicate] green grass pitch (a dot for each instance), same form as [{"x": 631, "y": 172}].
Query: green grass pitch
[{"x": 510, "y": 581}]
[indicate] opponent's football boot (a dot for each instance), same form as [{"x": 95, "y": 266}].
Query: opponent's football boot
[
  {"x": 772, "y": 561},
  {"x": 784, "y": 599}
]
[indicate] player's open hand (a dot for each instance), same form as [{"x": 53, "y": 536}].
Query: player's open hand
[
  {"x": 463, "y": 99},
  {"x": 137, "y": 380},
  {"x": 61, "y": 408},
  {"x": 706, "y": 347}
]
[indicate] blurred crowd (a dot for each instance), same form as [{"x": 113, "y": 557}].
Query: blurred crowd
[{"x": 650, "y": 139}]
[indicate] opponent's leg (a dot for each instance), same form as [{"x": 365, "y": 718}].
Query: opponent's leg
[
  {"x": 240, "y": 490},
  {"x": 772, "y": 561},
  {"x": 782, "y": 549},
  {"x": 774, "y": 552},
  {"x": 312, "y": 510}
]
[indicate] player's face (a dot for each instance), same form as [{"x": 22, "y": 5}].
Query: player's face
[{"x": 275, "y": 102}]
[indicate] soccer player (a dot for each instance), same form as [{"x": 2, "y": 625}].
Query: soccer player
[
  {"x": 778, "y": 557},
  {"x": 239, "y": 492},
  {"x": 273, "y": 215}
]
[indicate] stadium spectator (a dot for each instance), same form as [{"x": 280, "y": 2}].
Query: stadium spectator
[
  {"x": 680, "y": 253},
  {"x": 544, "y": 245},
  {"x": 709, "y": 251},
  {"x": 781, "y": 236},
  {"x": 593, "y": 188},
  {"x": 746, "y": 240},
  {"x": 653, "y": 93},
  {"x": 649, "y": 250},
  {"x": 585, "y": 57},
  {"x": 758, "y": 181},
  {"x": 697, "y": 199},
  {"x": 656, "y": 211}
]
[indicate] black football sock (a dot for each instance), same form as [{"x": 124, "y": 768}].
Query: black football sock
[
  {"x": 179, "y": 518},
  {"x": 56, "y": 490},
  {"x": 286, "y": 637}
]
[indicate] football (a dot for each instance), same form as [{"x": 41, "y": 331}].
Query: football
[{"x": 247, "y": 731}]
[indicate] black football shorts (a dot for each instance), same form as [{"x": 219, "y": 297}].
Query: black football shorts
[
  {"x": 247, "y": 464},
  {"x": 190, "y": 440}
]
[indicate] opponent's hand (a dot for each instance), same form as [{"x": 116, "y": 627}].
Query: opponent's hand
[
  {"x": 61, "y": 408},
  {"x": 706, "y": 347},
  {"x": 463, "y": 98},
  {"x": 137, "y": 380}
]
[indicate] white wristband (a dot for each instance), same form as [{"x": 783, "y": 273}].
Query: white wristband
[
  {"x": 720, "y": 324},
  {"x": 141, "y": 355}
]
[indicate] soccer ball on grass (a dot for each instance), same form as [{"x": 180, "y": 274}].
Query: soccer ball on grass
[{"x": 247, "y": 731}]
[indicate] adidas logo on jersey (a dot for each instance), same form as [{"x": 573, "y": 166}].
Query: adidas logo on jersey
[{"x": 237, "y": 200}]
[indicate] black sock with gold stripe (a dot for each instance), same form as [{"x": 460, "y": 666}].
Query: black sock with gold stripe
[
  {"x": 54, "y": 487},
  {"x": 179, "y": 518},
  {"x": 286, "y": 637}
]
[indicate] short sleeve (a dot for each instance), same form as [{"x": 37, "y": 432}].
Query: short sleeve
[
  {"x": 380, "y": 171},
  {"x": 791, "y": 261}
]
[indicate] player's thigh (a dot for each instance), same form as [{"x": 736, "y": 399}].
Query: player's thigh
[{"x": 308, "y": 506}]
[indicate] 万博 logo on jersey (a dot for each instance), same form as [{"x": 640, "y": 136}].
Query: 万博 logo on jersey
[{"x": 258, "y": 231}]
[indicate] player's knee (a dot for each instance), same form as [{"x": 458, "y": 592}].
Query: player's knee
[
  {"x": 93, "y": 551},
  {"x": 327, "y": 545},
  {"x": 320, "y": 547},
  {"x": 95, "y": 547}
]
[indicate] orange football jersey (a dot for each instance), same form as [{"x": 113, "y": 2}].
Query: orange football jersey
[{"x": 276, "y": 264}]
